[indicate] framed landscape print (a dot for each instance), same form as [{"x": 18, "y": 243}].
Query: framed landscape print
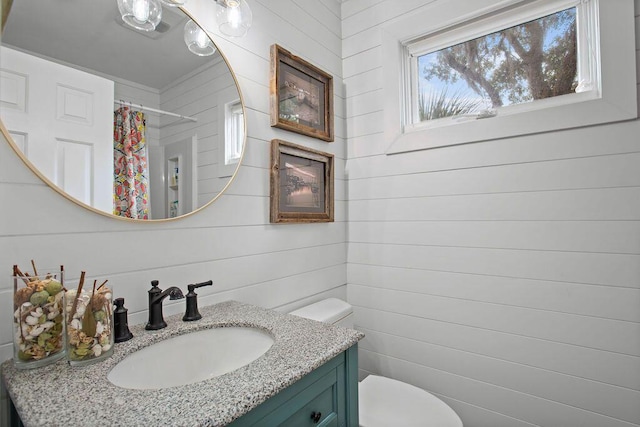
[
  {"x": 301, "y": 96},
  {"x": 301, "y": 184}
]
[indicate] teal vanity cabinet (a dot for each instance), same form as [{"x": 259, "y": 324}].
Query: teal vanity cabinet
[{"x": 326, "y": 397}]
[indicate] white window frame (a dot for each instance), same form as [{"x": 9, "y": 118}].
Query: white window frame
[
  {"x": 609, "y": 72},
  {"x": 231, "y": 137},
  {"x": 234, "y": 132}
]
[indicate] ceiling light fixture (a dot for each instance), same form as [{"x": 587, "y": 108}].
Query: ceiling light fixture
[
  {"x": 197, "y": 40},
  {"x": 234, "y": 17},
  {"x": 141, "y": 14}
]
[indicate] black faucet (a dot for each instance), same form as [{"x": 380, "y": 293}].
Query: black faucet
[
  {"x": 156, "y": 296},
  {"x": 192, "y": 312}
]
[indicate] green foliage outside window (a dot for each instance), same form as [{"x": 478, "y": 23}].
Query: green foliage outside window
[{"x": 530, "y": 61}]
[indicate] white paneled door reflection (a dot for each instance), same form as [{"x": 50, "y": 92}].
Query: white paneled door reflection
[{"x": 62, "y": 120}]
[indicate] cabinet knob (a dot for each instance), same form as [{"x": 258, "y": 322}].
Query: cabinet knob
[{"x": 315, "y": 416}]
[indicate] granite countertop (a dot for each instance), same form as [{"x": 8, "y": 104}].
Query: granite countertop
[{"x": 61, "y": 395}]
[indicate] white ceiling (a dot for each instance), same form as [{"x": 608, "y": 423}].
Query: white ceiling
[{"x": 90, "y": 33}]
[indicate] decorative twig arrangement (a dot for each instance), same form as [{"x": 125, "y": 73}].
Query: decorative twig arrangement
[
  {"x": 89, "y": 325},
  {"x": 38, "y": 304}
]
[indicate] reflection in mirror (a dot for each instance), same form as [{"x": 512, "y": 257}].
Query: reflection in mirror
[{"x": 129, "y": 122}]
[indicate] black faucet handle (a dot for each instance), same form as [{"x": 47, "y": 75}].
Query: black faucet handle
[
  {"x": 154, "y": 291},
  {"x": 154, "y": 288},
  {"x": 192, "y": 312},
  {"x": 199, "y": 285}
]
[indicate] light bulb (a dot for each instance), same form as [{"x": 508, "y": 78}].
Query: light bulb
[
  {"x": 141, "y": 10},
  {"x": 197, "y": 40},
  {"x": 142, "y": 15},
  {"x": 234, "y": 14},
  {"x": 201, "y": 39}
]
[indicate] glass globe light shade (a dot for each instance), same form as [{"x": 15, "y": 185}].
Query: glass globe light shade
[
  {"x": 173, "y": 3},
  {"x": 142, "y": 15},
  {"x": 197, "y": 40},
  {"x": 234, "y": 17}
]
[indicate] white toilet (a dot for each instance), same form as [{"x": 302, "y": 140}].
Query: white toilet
[{"x": 384, "y": 402}]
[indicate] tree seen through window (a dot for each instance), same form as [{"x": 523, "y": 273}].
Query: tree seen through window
[{"x": 531, "y": 61}]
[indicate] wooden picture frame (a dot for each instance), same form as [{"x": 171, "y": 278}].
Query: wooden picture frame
[
  {"x": 301, "y": 184},
  {"x": 301, "y": 96}
]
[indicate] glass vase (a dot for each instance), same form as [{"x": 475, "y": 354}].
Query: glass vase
[
  {"x": 38, "y": 318},
  {"x": 89, "y": 322}
]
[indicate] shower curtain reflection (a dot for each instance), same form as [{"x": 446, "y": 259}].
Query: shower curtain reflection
[{"x": 131, "y": 172}]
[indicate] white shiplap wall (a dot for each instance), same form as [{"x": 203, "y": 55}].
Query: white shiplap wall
[
  {"x": 502, "y": 276},
  {"x": 230, "y": 241},
  {"x": 199, "y": 95}
]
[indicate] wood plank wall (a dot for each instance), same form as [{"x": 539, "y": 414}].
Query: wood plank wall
[
  {"x": 502, "y": 276},
  {"x": 188, "y": 97}
]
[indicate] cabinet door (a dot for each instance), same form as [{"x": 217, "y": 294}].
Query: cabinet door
[
  {"x": 314, "y": 406},
  {"x": 326, "y": 397}
]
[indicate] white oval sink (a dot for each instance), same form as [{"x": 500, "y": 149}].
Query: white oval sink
[{"x": 190, "y": 358}]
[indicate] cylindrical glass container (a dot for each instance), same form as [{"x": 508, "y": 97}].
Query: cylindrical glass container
[
  {"x": 38, "y": 318},
  {"x": 89, "y": 322}
]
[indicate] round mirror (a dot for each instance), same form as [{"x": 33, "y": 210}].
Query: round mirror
[{"x": 140, "y": 124}]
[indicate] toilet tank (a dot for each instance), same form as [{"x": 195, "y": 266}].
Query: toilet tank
[{"x": 330, "y": 310}]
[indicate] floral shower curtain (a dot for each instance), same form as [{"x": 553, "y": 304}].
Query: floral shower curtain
[{"x": 131, "y": 173}]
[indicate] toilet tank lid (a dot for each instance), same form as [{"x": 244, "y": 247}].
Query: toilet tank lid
[{"x": 329, "y": 310}]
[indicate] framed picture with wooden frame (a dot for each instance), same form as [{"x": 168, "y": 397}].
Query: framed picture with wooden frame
[
  {"x": 301, "y": 96},
  {"x": 301, "y": 184}
]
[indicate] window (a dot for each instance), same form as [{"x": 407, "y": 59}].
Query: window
[
  {"x": 533, "y": 60},
  {"x": 525, "y": 66},
  {"x": 231, "y": 137},
  {"x": 234, "y": 129}
]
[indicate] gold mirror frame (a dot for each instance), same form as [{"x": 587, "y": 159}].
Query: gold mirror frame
[{"x": 5, "y": 12}]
